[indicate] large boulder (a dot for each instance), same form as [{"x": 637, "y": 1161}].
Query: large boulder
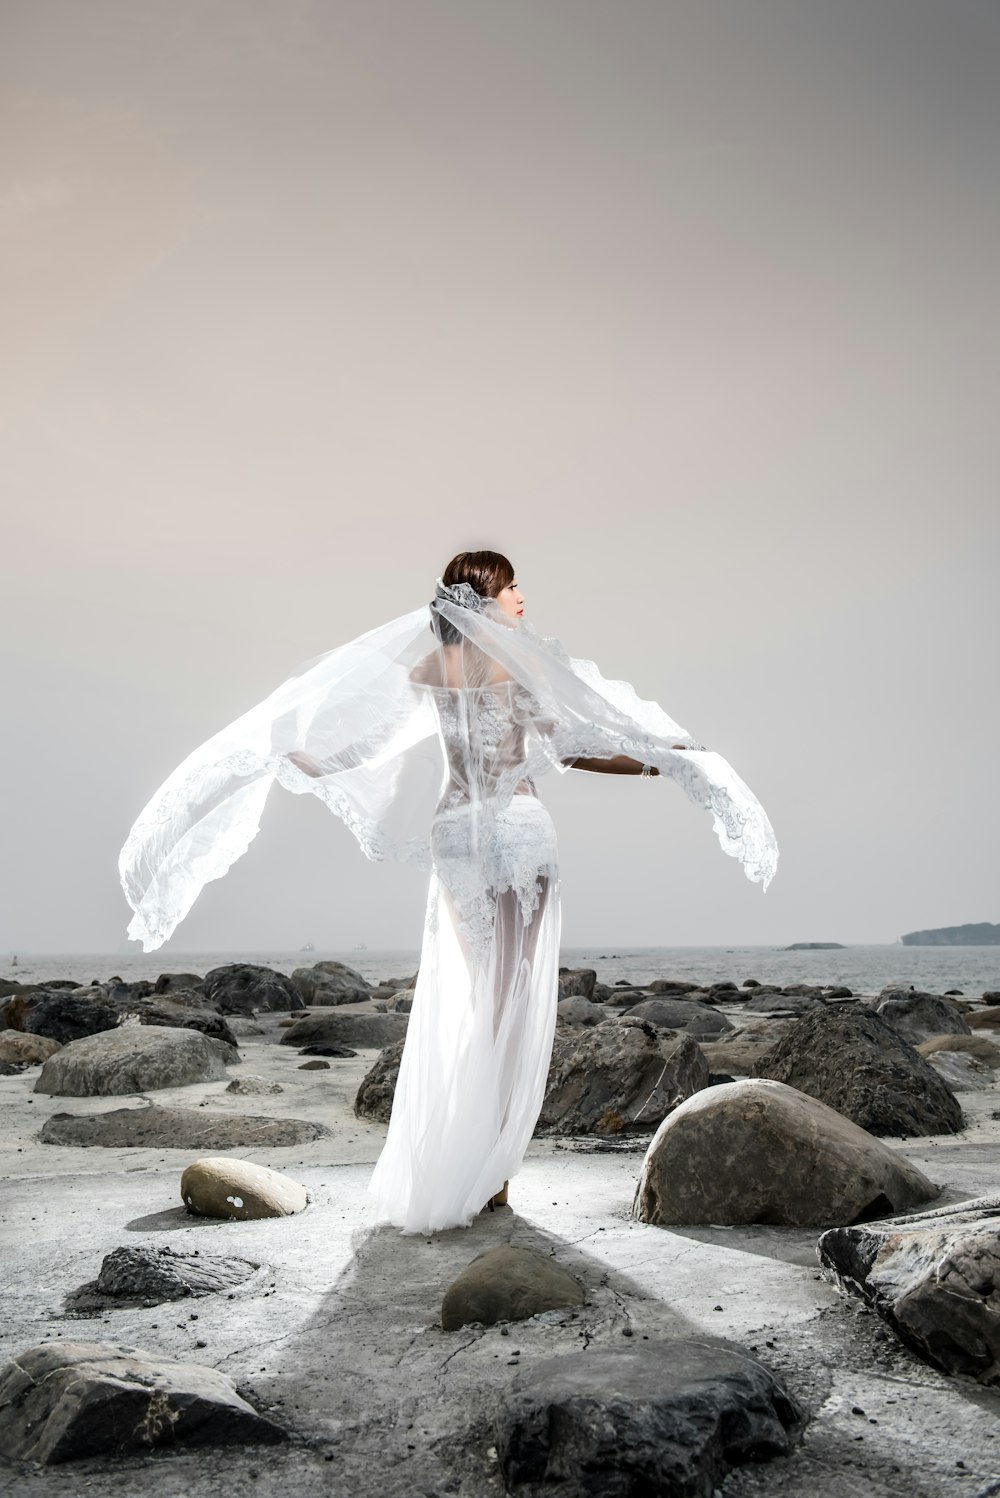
[
  {"x": 139, "y": 1272},
  {"x": 666, "y": 1417},
  {"x": 616, "y": 1079},
  {"x": 378, "y": 1087},
  {"x": 176, "y": 1011},
  {"x": 758, "y": 1151},
  {"x": 68, "y": 1014},
  {"x": 507, "y": 1283},
  {"x": 60, "y": 1401},
  {"x": 245, "y": 988},
  {"x": 917, "y": 1016},
  {"x": 681, "y": 1014},
  {"x": 220, "y": 1186},
  {"x": 934, "y": 1277},
  {"x": 330, "y": 983},
  {"x": 135, "y": 1058},
  {"x": 179, "y": 983},
  {"x": 155, "y": 1127},
  {"x": 358, "y": 1031},
  {"x": 577, "y": 1010},
  {"x": 855, "y": 1062}
]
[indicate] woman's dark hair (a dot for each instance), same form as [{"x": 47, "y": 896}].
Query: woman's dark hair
[
  {"x": 486, "y": 572},
  {"x": 489, "y": 572}
]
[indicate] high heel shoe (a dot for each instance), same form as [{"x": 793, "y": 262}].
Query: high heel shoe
[{"x": 499, "y": 1200}]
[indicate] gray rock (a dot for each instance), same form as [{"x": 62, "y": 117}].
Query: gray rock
[
  {"x": 359, "y": 1031},
  {"x": 579, "y": 1011},
  {"x": 934, "y": 1277},
  {"x": 135, "y": 1058},
  {"x": 917, "y": 1016},
  {"x": 401, "y": 1002},
  {"x": 681, "y": 1014},
  {"x": 758, "y": 1151},
  {"x": 782, "y": 1003},
  {"x": 240, "y": 1025},
  {"x": 177, "y": 1012},
  {"x": 375, "y": 1095},
  {"x": 983, "y": 1019},
  {"x": 672, "y": 985},
  {"x": 244, "y": 988},
  {"x": 507, "y": 1284},
  {"x": 858, "y": 1064},
  {"x": 62, "y": 1401},
  {"x": 183, "y": 982},
  {"x": 159, "y": 1274},
  {"x": 26, "y": 1050},
  {"x": 961, "y": 1071},
  {"x": 618, "y": 1078},
  {"x": 177, "y": 1128},
  {"x": 577, "y": 981},
  {"x": 629, "y": 1422},
  {"x": 253, "y": 1086},
  {"x": 70, "y": 1015},
  {"x": 330, "y": 983}
]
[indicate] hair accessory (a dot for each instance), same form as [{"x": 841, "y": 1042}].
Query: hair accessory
[{"x": 462, "y": 594}]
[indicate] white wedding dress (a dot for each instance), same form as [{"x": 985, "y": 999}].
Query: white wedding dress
[{"x": 424, "y": 737}]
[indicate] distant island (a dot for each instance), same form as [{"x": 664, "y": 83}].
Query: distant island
[
  {"x": 816, "y": 946},
  {"x": 975, "y": 934}
]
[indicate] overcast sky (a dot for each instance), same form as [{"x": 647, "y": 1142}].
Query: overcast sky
[{"x": 690, "y": 308}]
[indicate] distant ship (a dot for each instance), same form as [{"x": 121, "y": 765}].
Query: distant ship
[
  {"x": 309, "y": 947},
  {"x": 360, "y": 947}
]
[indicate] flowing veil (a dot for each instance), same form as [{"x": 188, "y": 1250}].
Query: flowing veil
[{"x": 361, "y": 724}]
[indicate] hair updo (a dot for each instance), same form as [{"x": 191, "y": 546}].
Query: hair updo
[{"x": 487, "y": 573}]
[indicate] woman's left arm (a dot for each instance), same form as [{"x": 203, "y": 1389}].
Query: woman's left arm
[{"x": 619, "y": 764}]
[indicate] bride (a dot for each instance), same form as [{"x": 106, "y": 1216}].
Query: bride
[{"x": 428, "y": 748}]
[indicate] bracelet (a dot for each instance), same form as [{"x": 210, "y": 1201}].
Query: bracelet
[{"x": 646, "y": 772}]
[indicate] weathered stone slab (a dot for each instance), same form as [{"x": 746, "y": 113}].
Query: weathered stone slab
[
  {"x": 62, "y": 1401},
  {"x": 378, "y": 1087},
  {"x": 507, "y": 1284},
  {"x": 760, "y": 1152},
  {"x": 682, "y": 1014},
  {"x": 26, "y": 1050},
  {"x": 342, "y": 1028},
  {"x": 917, "y": 1016},
  {"x": 666, "y": 1418},
  {"x": 177, "y": 1128},
  {"x": 934, "y": 1277}
]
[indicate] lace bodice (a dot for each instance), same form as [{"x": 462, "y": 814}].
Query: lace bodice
[{"x": 482, "y": 733}]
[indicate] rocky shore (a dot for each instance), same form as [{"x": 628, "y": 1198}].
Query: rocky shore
[{"x": 752, "y": 1249}]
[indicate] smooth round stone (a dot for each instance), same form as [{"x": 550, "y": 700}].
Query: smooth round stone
[{"x": 219, "y": 1186}]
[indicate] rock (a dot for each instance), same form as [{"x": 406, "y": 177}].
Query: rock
[
  {"x": 378, "y": 1087},
  {"x": 23, "y": 1049},
  {"x": 962, "y": 1072},
  {"x": 577, "y": 981},
  {"x": 136, "y": 1058},
  {"x": 838, "y": 991},
  {"x": 330, "y": 983},
  {"x": 758, "y": 1151},
  {"x": 400, "y": 1003},
  {"x": 980, "y": 1046},
  {"x": 315, "y": 1066},
  {"x": 507, "y": 1284},
  {"x": 253, "y": 1086},
  {"x": 359, "y": 1031},
  {"x": 172, "y": 982},
  {"x": 243, "y": 988},
  {"x": 11, "y": 1069},
  {"x": 341, "y": 1051},
  {"x": 782, "y": 1003},
  {"x": 72, "y": 1015},
  {"x": 618, "y": 1078},
  {"x": 814, "y": 946},
  {"x": 916, "y": 1016},
  {"x": 59, "y": 1402},
  {"x": 751, "y": 983},
  {"x": 934, "y": 1277},
  {"x": 736, "y": 1053},
  {"x": 681, "y": 1014},
  {"x": 983, "y": 1019},
  {"x": 667, "y": 1417},
  {"x": 855, "y": 1062},
  {"x": 671, "y": 985},
  {"x": 579, "y": 1011},
  {"x": 219, "y": 1186},
  {"x": 240, "y": 1025},
  {"x": 177, "y": 1128},
  {"x": 176, "y": 1014},
  {"x": 159, "y": 1274}
]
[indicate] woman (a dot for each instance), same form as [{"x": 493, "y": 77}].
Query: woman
[{"x": 429, "y": 755}]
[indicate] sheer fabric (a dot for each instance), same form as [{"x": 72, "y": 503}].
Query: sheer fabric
[{"x": 425, "y": 742}]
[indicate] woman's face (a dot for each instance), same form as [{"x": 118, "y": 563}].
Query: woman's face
[{"x": 511, "y": 600}]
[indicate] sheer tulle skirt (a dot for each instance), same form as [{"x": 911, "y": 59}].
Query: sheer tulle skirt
[{"x": 472, "y": 1076}]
